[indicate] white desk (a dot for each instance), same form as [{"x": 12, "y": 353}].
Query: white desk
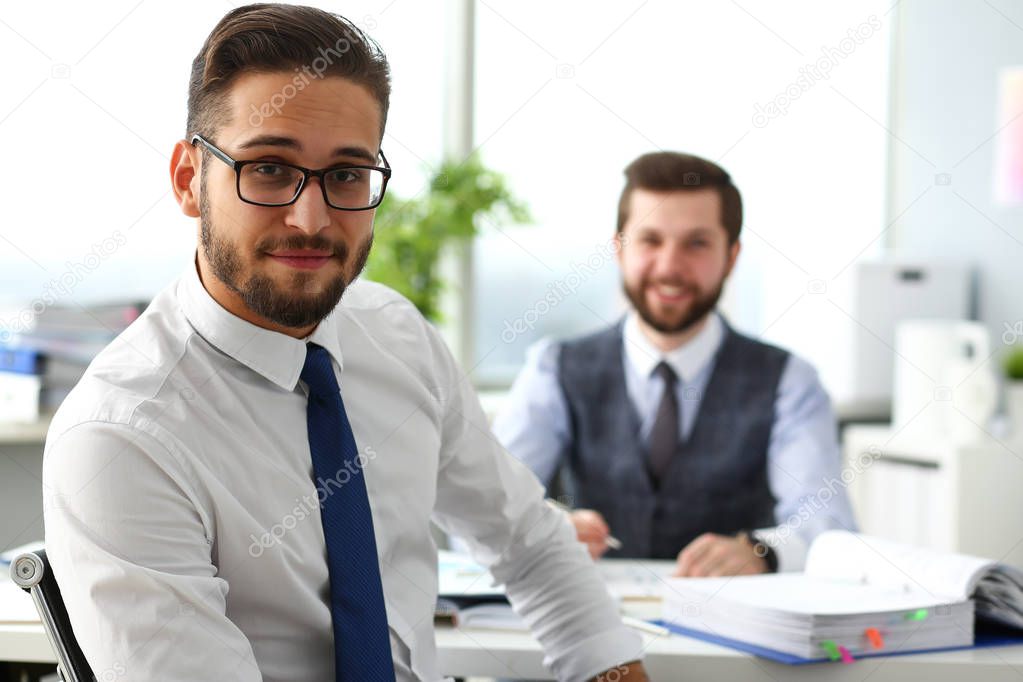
[
  {"x": 466, "y": 653},
  {"x": 24, "y": 644},
  {"x": 483, "y": 653}
]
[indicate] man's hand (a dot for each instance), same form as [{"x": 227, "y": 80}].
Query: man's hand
[
  {"x": 626, "y": 672},
  {"x": 719, "y": 555},
  {"x": 591, "y": 529}
]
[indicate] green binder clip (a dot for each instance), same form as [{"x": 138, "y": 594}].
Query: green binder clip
[{"x": 833, "y": 653}]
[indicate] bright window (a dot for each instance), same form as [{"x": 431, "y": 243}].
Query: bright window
[{"x": 565, "y": 103}]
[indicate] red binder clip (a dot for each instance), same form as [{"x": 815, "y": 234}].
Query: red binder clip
[{"x": 875, "y": 637}]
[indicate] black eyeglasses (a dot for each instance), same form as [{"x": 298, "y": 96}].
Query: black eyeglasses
[{"x": 346, "y": 187}]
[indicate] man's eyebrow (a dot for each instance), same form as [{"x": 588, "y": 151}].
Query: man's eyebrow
[
  {"x": 293, "y": 144},
  {"x": 699, "y": 230}
]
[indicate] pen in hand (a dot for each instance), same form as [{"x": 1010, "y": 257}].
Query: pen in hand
[{"x": 610, "y": 540}]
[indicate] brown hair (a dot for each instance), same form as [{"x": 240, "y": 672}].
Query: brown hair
[
  {"x": 673, "y": 171},
  {"x": 272, "y": 38}
]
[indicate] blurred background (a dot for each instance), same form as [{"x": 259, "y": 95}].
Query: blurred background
[{"x": 877, "y": 145}]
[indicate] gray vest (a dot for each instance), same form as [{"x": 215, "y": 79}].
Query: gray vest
[{"x": 716, "y": 481}]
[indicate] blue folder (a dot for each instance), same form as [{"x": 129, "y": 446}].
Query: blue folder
[
  {"x": 20, "y": 360},
  {"x": 986, "y": 634}
]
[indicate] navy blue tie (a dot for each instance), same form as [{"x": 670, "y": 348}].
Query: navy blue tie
[{"x": 362, "y": 647}]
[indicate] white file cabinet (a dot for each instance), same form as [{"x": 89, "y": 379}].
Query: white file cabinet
[{"x": 958, "y": 497}]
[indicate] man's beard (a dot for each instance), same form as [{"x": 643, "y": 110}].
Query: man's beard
[
  {"x": 702, "y": 304},
  {"x": 260, "y": 294}
]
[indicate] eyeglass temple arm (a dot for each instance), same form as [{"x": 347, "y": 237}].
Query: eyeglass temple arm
[{"x": 214, "y": 150}]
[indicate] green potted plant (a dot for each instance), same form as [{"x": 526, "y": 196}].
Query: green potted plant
[
  {"x": 410, "y": 234},
  {"x": 1013, "y": 366}
]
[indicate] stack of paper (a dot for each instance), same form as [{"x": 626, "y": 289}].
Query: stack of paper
[
  {"x": 858, "y": 595},
  {"x": 811, "y": 616}
]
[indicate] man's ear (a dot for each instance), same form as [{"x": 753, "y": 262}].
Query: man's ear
[
  {"x": 619, "y": 243},
  {"x": 184, "y": 171},
  {"x": 733, "y": 255}
]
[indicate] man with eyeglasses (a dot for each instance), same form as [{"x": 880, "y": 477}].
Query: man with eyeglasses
[{"x": 241, "y": 487}]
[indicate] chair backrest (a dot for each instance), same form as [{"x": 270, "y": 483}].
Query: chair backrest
[{"x": 31, "y": 571}]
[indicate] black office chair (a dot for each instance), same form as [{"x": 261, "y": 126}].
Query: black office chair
[{"x": 31, "y": 571}]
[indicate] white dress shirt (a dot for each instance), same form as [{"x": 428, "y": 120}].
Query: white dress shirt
[
  {"x": 182, "y": 519},
  {"x": 803, "y": 455}
]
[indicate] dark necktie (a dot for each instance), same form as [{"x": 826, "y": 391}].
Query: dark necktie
[
  {"x": 362, "y": 646},
  {"x": 664, "y": 435}
]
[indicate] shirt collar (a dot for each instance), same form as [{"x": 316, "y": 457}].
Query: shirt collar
[
  {"x": 687, "y": 360},
  {"x": 274, "y": 355}
]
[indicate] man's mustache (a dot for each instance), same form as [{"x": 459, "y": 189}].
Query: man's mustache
[{"x": 297, "y": 243}]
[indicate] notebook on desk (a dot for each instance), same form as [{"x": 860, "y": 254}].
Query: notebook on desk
[
  {"x": 859, "y": 596},
  {"x": 468, "y": 597}
]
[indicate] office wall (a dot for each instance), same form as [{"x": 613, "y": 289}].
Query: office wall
[
  {"x": 21, "y": 494},
  {"x": 945, "y": 130}
]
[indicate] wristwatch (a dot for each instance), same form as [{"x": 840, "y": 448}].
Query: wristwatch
[{"x": 761, "y": 549}]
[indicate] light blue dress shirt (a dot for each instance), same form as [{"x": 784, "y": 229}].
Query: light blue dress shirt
[{"x": 803, "y": 455}]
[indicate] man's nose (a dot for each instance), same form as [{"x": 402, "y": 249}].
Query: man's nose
[
  {"x": 310, "y": 212},
  {"x": 670, "y": 259}
]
